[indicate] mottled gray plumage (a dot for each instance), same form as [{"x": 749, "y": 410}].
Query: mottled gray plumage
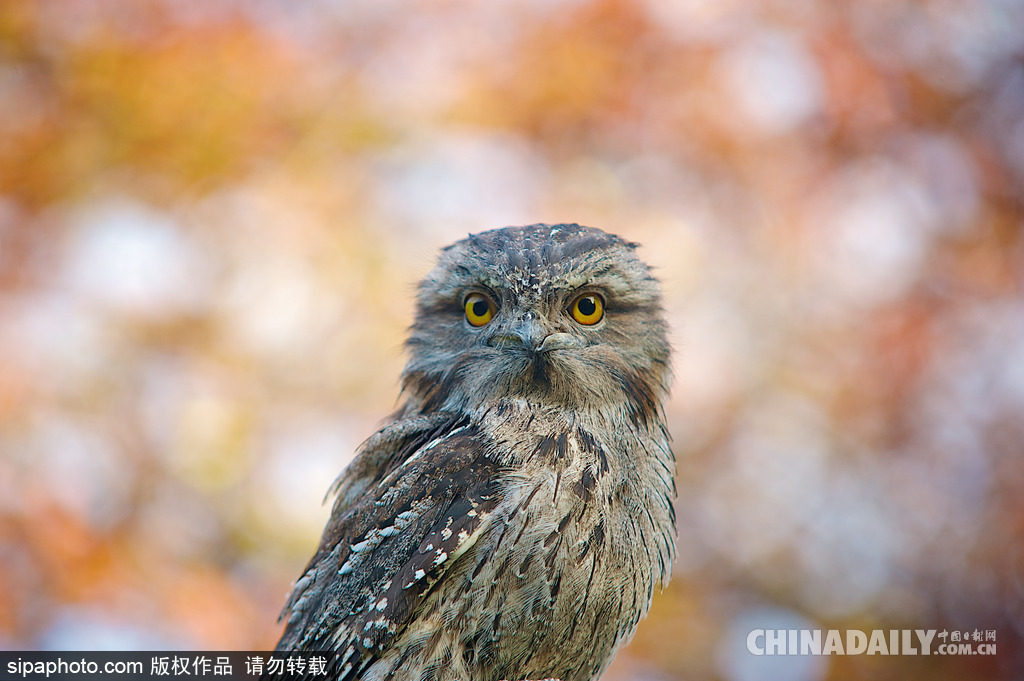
[{"x": 513, "y": 517}]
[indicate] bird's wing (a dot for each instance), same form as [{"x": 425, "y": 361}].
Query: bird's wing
[{"x": 380, "y": 559}]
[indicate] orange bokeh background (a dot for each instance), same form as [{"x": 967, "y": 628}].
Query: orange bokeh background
[{"x": 213, "y": 216}]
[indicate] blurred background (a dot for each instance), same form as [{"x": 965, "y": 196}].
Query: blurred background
[{"x": 213, "y": 217}]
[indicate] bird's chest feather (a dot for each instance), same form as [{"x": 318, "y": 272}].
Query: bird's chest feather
[{"x": 565, "y": 569}]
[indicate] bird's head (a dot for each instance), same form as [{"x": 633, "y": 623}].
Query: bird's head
[{"x": 553, "y": 314}]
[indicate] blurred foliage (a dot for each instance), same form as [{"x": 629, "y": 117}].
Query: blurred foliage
[{"x": 212, "y": 217}]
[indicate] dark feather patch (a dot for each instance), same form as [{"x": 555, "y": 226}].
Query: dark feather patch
[
  {"x": 593, "y": 543},
  {"x": 552, "y": 448},
  {"x": 415, "y": 578},
  {"x": 584, "y": 489},
  {"x": 642, "y": 401},
  {"x": 591, "y": 446},
  {"x": 414, "y": 522}
]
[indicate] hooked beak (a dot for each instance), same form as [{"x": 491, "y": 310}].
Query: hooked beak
[{"x": 530, "y": 335}]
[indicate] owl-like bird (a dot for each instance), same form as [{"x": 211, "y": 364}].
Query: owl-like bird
[{"x": 512, "y": 519}]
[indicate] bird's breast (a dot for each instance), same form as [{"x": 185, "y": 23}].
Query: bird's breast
[{"x": 563, "y": 572}]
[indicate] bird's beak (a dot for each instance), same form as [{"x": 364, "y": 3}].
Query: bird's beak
[
  {"x": 559, "y": 341},
  {"x": 526, "y": 333},
  {"x": 531, "y": 335}
]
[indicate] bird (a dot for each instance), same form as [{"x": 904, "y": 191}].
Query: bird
[{"x": 514, "y": 516}]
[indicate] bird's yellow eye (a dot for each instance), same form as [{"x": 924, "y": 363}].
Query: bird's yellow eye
[
  {"x": 588, "y": 309},
  {"x": 479, "y": 309}
]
